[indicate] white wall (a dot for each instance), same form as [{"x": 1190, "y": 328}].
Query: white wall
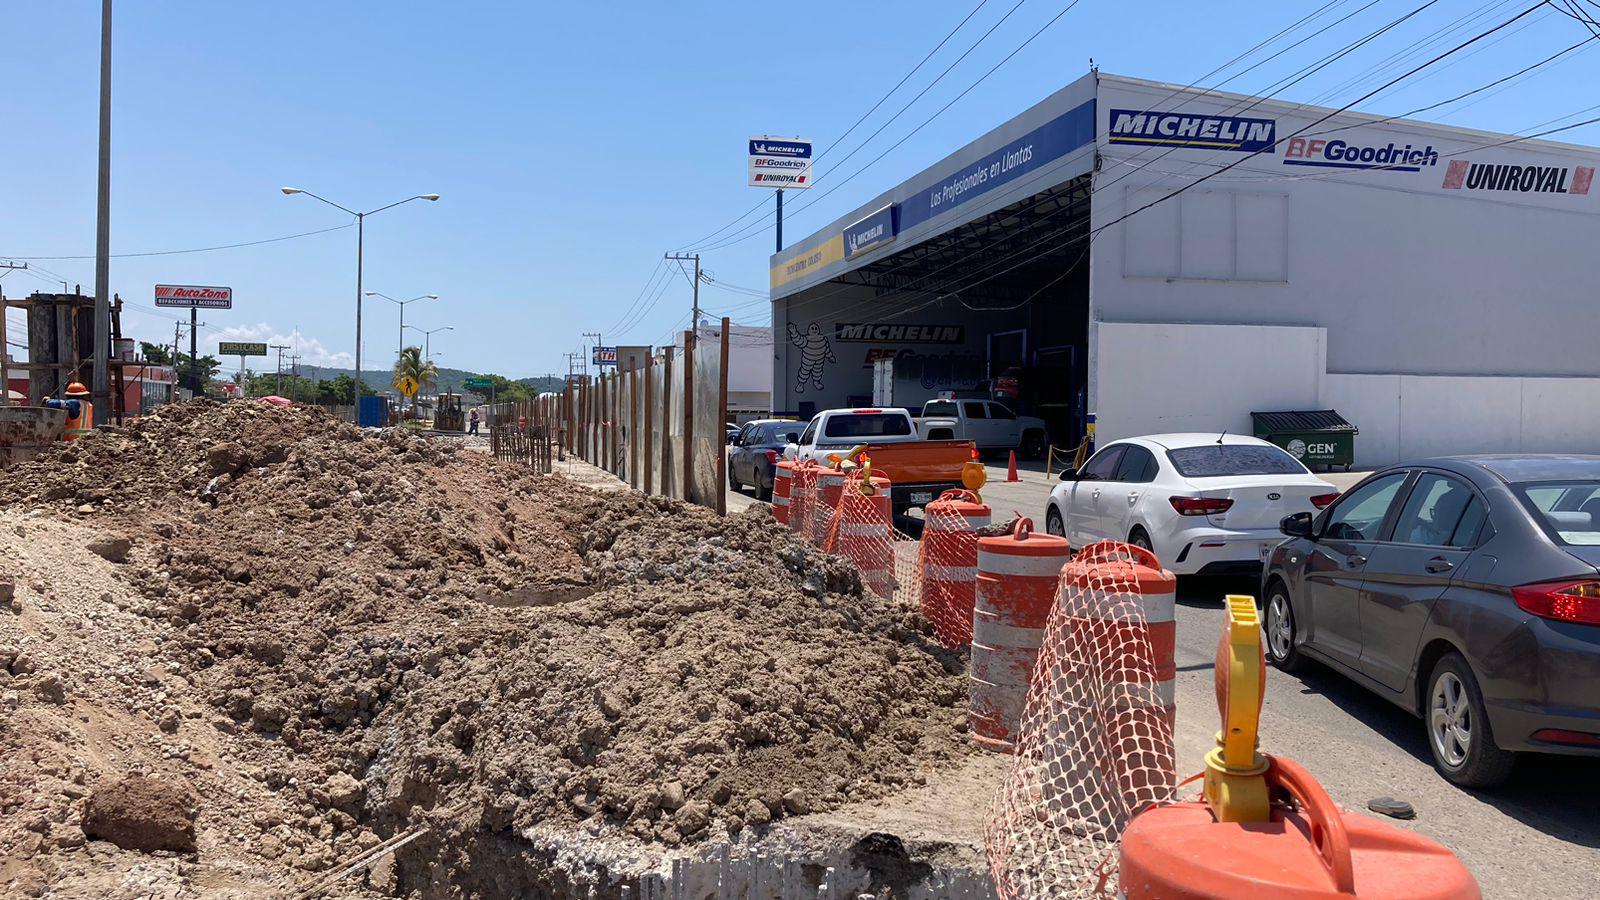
[{"x": 1163, "y": 377}]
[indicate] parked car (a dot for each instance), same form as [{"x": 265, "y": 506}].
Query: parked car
[
  {"x": 1205, "y": 504},
  {"x": 754, "y": 453},
  {"x": 988, "y": 424},
  {"x": 1465, "y": 590},
  {"x": 918, "y": 470}
]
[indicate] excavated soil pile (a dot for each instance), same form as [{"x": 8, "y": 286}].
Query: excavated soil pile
[{"x": 386, "y": 630}]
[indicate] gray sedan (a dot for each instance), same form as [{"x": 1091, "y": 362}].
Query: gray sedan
[{"x": 1464, "y": 589}]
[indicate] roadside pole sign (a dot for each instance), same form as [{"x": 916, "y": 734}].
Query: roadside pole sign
[
  {"x": 782, "y": 164},
  {"x": 478, "y": 384},
  {"x": 189, "y": 296},
  {"x": 241, "y": 348},
  {"x": 605, "y": 356},
  {"x": 407, "y": 385}
]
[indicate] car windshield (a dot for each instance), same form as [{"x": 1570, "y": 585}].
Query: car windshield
[
  {"x": 1569, "y": 510},
  {"x": 859, "y": 425},
  {"x": 773, "y": 434},
  {"x": 1213, "y": 460},
  {"x": 939, "y": 408}
]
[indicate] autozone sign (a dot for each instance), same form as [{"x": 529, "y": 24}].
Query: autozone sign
[{"x": 188, "y": 296}]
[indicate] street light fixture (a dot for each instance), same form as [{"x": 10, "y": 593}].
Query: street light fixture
[
  {"x": 427, "y": 337},
  {"x": 402, "y": 304},
  {"x": 361, "y": 223}
]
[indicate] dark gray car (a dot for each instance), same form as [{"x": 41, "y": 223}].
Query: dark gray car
[
  {"x": 753, "y": 456},
  {"x": 1464, "y": 589}
]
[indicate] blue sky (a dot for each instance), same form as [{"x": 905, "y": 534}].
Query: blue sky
[{"x": 574, "y": 143}]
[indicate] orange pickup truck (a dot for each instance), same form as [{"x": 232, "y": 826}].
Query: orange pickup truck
[{"x": 918, "y": 471}]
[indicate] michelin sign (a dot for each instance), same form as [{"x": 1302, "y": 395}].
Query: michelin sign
[
  {"x": 1204, "y": 132},
  {"x": 780, "y": 163}
]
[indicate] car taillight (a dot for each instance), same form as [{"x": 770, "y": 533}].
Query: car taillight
[
  {"x": 1564, "y": 736},
  {"x": 772, "y": 457},
  {"x": 1200, "y": 506},
  {"x": 1321, "y": 501},
  {"x": 1563, "y": 601}
]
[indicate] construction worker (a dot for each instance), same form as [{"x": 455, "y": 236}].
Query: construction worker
[
  {"x": 80, "y": 412},
  {"x": 472, "y": 422}
]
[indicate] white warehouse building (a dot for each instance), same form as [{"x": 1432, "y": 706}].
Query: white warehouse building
[{"x": 1430, "y": 283}]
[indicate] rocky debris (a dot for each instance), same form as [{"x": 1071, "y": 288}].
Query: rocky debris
[
  {"x": 374, "y": 628},
  {"x": 139, "y": 813},
  {"x": 51, "y": 689},
  {"x": 8, "y": 590},
  {"x": 114, "y": 549}
]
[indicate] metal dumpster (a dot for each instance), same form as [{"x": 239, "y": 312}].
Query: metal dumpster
[
  {"x": 1318, "y": 437},
  {"x": 26, "y": 430}
]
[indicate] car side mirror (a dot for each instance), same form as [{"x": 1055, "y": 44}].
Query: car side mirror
[
  {"x": 1069, "y": 474},
  {"x": 1298, "y": 525},
  {"x": 791, "y": 450},
  {"x": 792, "y": 438}
]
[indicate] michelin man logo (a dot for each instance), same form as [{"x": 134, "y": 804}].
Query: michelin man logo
[{"x": 815, "y": 350}]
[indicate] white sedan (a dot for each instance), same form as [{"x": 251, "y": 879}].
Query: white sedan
[{"x": 1205, "y": 504}]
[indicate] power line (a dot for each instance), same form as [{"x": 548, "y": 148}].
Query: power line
[{"x": 287, "y": 237}]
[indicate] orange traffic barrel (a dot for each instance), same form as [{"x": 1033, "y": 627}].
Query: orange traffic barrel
[
  {"x": 865, "y": 533},
  {"x": 950, "y": 564},
  {"x": 1018, "y": 577},
  {"x": 782, "y": 476},
  {"x": 1106, "y": 568},
  {"x": 800, "y": 497},
  {"x": 1307, "y": 849},
  {"x": 825, "y": 506}
]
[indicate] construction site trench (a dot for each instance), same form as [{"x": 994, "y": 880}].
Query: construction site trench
[{"x": 255, "y": 651}]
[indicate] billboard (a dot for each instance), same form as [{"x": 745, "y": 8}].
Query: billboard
[
  {"x": 605, "y": 356},
  {"x": 241, "y": 348},
  {"x": 780, "y": 163},
  {"x": 189, "y": 296}
]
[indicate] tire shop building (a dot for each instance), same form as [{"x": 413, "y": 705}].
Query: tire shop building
[{"x": 1430, "y": 283}]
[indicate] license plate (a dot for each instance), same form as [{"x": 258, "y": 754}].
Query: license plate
[{"x": 921, "y": 496}]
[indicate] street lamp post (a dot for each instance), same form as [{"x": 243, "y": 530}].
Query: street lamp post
[
  {"x": 427, "y": 337},
  {"x": 402, "y": 304},
  {"x": 361, "y": 221}
]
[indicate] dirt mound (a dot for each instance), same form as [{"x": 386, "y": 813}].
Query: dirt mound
[
  {"x": 138, "y": 813},
  {"x": 388, "y": 629}
]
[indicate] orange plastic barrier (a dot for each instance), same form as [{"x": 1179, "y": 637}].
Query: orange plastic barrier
[
  {"x": 825, "y": 508},
  {"x": 1157, "y": 593},
  {"x": 802, "y": 493},
  {"x": 1311, "y": 849},
  {"x": 1018, "y": 576},
  {"x": 864, "y": 533},
  {"x": 782, "y": 476},
  {"x": 949, "y": 564}
]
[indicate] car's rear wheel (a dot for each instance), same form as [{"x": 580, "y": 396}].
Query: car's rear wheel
[
  {"x": 1458, "y": 728},
  {"x": 1032, "y": 445},
  {"x": 1277, "y": 626},
  {"x": 1141, "y": 539},
  {"x": 733, "y": 483},
  {"x": 1053, "y": 523},
  {"x": 763, "y": 489}
]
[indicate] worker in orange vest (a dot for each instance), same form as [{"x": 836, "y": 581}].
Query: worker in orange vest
[{"x": 80, "y": 412}]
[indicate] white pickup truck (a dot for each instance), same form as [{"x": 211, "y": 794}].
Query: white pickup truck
[
  {"x": 987, "y": 423},
  {"x": 919, "y": 470}
]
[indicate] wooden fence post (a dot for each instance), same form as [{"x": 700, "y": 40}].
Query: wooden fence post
[
  {"x": 722, "y": 417},
  {"x": 649, "y": 422},
  {"x": 688, "y": 413}
]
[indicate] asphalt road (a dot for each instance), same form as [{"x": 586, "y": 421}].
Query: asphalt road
[{"x": 1537, "y": 836}]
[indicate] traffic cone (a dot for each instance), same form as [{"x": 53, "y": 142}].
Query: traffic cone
[{"x": 1011, "y": 469}]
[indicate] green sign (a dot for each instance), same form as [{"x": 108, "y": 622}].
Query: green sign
[
  {"x": 241, "y": 348},
  {"x": 479, "y": 384}
]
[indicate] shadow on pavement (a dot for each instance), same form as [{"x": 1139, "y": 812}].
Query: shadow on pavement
[{"x": 1557, "y": 795}]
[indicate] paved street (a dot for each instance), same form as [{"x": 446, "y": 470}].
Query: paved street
[{"x": 1361, "y": 747}]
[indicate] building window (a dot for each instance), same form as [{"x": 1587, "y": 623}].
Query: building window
[{"x": 1207, "y": 236}]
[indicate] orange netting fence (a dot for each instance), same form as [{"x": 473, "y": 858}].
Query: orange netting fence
[{"x": 1095, "y": 741}]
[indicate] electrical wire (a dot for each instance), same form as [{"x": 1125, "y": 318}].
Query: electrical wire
[{"x": 287, "y": 237}]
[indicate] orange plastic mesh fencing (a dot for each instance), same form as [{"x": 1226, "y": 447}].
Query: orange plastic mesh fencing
[
  {"x": 1093, "y": 748},
  {"x": 946, "y": 576}
]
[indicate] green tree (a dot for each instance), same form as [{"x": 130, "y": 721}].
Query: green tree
[
  {"x": 156, "y": 354},
  {"x": 504, "y": 390},
  {"x": 339, "y": 391},
  {"x": 410, "y": 364}
]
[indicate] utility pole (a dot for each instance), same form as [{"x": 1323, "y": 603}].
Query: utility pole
[
  {"x": 280, "y": 348},
  {"x": 694, "y": 318},
  {"x": 194, "y": 350},
  {"x": 597, "y": 343},
  {"x": 294, "y": 373},
  {"x": 102, "y": 237}
]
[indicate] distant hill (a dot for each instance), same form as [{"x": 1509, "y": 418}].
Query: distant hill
[{"x": 451, "y": 381}]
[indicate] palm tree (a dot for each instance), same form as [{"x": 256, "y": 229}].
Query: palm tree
[{"x": 411, "y": 364}]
